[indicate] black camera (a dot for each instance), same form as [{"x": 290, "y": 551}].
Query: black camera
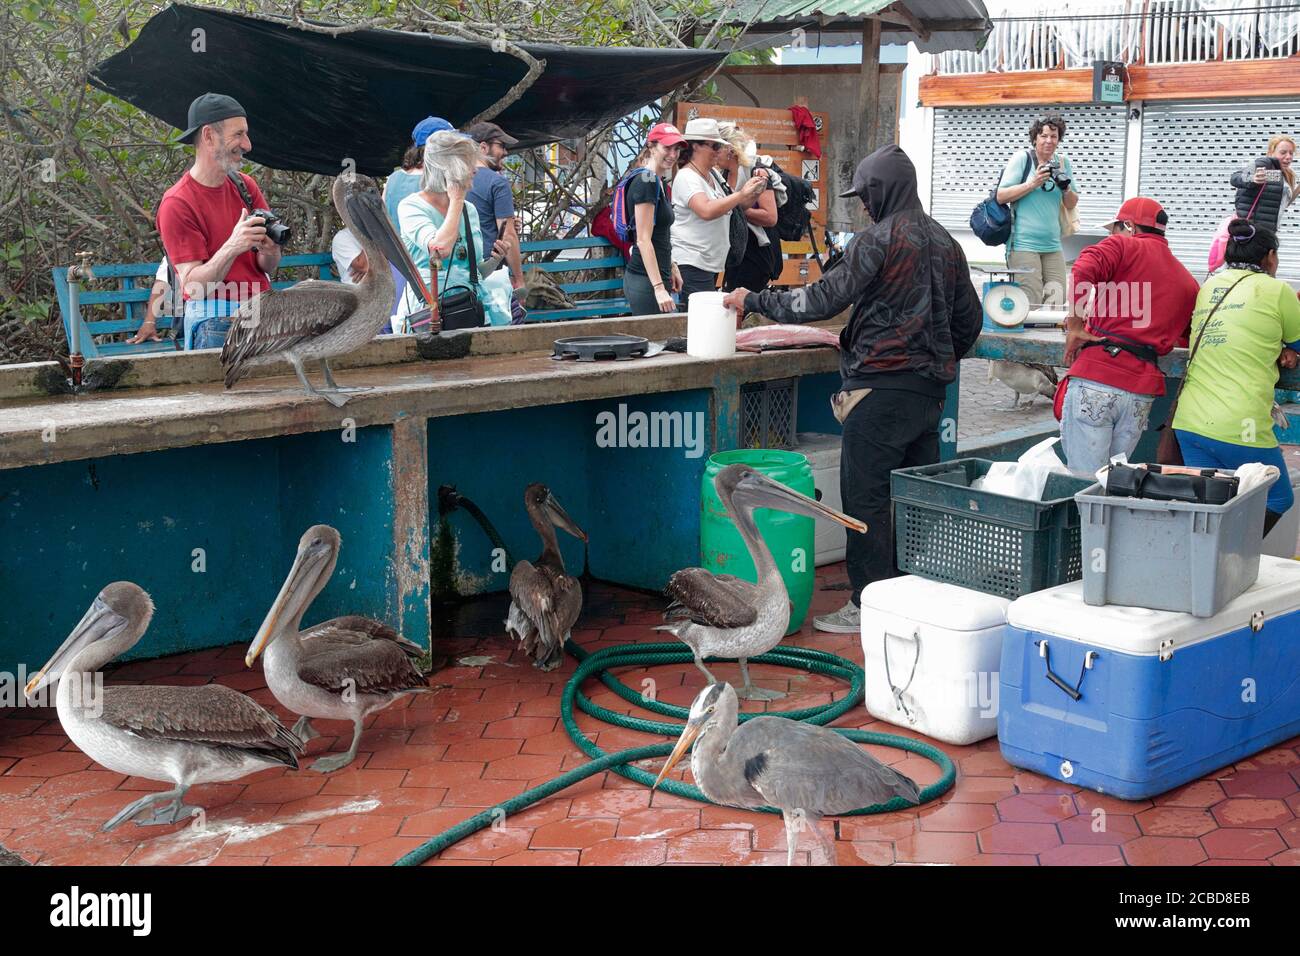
[
  {"x": 1054, "y": 170},
  {"x": 278, "y": 232}
]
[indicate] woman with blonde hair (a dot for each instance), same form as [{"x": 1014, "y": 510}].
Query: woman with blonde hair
[
  {"x": 753, "y": 267},
  {"x": 1270, "y": 186},
  {"x": 436, "y": 228}
]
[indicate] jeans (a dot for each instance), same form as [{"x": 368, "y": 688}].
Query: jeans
[
  {"x": 1045, "y": 282},
  {"x": 640, "y": 294},
  {"x": 887, "y": 429},
  {"x": 1098, "y": 422},
  {"x": 209, "y": 334},
  {"x": 1201, "y": 452},
  {"x": 696, "y": 280}
]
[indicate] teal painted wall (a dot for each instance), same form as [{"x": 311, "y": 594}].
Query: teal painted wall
[{"x": 68, "y": 529}]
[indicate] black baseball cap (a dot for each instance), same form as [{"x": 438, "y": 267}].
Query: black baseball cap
[
  {"x": 210, "y": 108},
  {"x": 489, "y": 132}
]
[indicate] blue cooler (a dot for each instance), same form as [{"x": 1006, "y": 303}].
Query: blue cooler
[{"x": 1133, "y": 702}]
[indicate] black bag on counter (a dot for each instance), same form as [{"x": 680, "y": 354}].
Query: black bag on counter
[{"x": 1203, "y": 486}]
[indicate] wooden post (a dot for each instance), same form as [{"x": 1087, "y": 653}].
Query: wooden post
[{"x": 869, "y": 90}]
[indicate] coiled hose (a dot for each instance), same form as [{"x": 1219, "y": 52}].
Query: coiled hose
[{"x": 650, "y": 655}]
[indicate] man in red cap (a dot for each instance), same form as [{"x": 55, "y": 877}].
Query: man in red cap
[{"x": 1131, "y": 301}]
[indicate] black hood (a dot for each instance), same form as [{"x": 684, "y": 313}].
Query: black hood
[{"x": 886, "y": 181}]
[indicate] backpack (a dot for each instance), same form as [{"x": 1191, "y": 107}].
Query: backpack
[
  {"x": 602, "y": 226},
  {"x": 793, "y": 218},
  {"x": 991, "y": 221},
  {"x": 622, "y": 221}
]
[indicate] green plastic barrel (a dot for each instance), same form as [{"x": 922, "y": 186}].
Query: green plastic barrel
[{"x": 789, "y": 537}]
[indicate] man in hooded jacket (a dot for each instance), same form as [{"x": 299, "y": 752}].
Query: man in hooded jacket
[{"x": 915, "y": 315}]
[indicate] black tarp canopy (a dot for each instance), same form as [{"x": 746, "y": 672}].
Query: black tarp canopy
[{"x": 313, "y": 99}]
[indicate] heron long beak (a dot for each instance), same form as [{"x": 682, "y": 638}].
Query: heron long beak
[
  {"x": 293, "y": 596},
  {"x": 371, "y": 220},
  {"x": 766, "y": 493},
  {"x": 97, "y": 623},
  {"x": 560, "y": 518},
  {"x": 684, "y": 742}
]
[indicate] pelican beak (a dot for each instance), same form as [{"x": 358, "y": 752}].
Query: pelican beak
[
  {"x": 560, "y": 518},
  {"x": 294, "y": 593},
  {"x": 97, "y": 623},
  {"x": 766, "y": 493},
  {"x": 371, "y": 220},
  {"x": 684, "y": 742}
]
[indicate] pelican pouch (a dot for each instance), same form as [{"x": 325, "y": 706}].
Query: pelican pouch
[{"x": 459, "y": 306}]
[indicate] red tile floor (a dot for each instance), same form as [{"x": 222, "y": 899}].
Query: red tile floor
[{"x": 490, "y": 731}]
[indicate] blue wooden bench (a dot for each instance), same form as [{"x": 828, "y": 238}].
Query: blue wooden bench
[
  {"x": 606, "y": 257},
  {"x": 127, "y": 302}
]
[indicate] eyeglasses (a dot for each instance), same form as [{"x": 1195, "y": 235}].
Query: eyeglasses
[{"x": 703, "y": 143}]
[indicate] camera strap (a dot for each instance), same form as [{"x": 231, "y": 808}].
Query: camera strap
[{"x": 238, "y": 180}]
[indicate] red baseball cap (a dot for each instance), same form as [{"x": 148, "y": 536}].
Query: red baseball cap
[
  {"x": 665, "y": 133},
  {"x": 1141, "y": 211}
]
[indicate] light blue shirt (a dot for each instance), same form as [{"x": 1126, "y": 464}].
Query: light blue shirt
[
  {"x": 1038, "y": 216},
  {"x": 400, "y": 184}
]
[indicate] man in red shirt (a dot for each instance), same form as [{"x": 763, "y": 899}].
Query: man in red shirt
[
  {"x": 221, "y": 254},
  {"x": 1131, "y": 301}
]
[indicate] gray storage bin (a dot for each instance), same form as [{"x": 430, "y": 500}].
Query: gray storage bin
[{"x": 1169, "y": 555}]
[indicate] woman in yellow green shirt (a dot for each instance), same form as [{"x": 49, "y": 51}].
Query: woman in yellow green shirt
[{"x": 1224, "y": 416}]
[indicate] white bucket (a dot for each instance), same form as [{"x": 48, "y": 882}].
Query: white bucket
[{"x": 710, "y": 328}]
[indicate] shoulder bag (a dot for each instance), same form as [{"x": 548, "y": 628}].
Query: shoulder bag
[
  {"x": 991, "y": 220},
  {"x": 459, "y": 305}
]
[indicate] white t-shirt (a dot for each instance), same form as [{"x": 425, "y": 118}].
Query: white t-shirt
[
  {"x": 161, "y": 275},
  {"x": 345, "y": 249},
  {"x": 698, "y": 242}
]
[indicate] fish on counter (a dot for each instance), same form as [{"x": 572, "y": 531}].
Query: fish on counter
[{"x": 763, "y": 337}]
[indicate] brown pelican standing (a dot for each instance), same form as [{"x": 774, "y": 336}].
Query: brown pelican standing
[
  {"x": 342, "y": 669},
  {"x": 184, "y": 735},
  {"x": 804, "y": 771},
  {"x": 316, "y": 319},
  {"x": 544, "y": 601},
  {"x": 720, "y": 615}
]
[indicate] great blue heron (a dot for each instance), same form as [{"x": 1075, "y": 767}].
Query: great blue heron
[
  {"x": 720, "y": 615},
  {"x": 544, "y": 601},
  {"x": 322, "y": 320},
  {"x": 342, "y": 669},
  {"x": 805, "y": 771},
  {"x": 182, "y": 735}
]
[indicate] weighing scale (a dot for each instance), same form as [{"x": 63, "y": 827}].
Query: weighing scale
[{"x": 1006, "y": 305}]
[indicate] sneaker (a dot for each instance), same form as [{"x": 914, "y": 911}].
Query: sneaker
[{"x": 847, "y": 620}]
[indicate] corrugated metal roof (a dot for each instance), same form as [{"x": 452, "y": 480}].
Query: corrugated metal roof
[{"x": 772, "y": 16}]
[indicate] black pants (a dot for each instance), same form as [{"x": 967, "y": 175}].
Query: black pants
[
  {"x": 696, "y": 280},
  {"x": 753, "y": 272},
  {"x": 888, "y": 429}
]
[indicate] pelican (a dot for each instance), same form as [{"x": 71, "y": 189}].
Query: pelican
[
  {"x": 544, "y": 601},
  {"x": 1024, "y": 378},
  {"x": 720, "y": 615},
  {"x": 342, "y": 669},
  {"x": 804, "y": 771},
  {"x": 322, "y": 320},
  {"x": 183, "y": 735}
]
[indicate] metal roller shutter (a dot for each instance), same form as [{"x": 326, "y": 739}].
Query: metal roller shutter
[
  {"x": 1189, "y": 150},
  {"x": 973, "y": 143}
]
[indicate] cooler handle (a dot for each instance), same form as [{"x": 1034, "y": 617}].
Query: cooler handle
[
  {"x": 1072, "y": 692},
  {"x": 898, "y": 692}
]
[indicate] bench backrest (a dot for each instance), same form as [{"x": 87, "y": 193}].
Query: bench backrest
[
  {"x": 127, "y": 301},
  {"x": 605, "y": 257}
]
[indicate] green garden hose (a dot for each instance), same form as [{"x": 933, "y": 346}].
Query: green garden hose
[{"x": 650, "y": 655}]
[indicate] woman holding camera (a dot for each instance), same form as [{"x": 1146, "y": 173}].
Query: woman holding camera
[
  {"x": 1037, "y": 183},
  {"x": 1224, "y": 416},
  {"x": 1270, "y": 187},
  {"x": 434, "y": 229},
  {"x": 753, "y": 269}
]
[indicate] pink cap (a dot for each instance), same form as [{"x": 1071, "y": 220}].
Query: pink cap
[{"x": 665, "y": 133}]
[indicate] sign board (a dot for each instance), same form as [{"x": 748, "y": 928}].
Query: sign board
[{"x": 1108, "y": 81}]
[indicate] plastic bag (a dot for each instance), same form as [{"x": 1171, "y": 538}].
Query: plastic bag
[
  {"x": 1255, "y": 473},
  {"x": 1027, "y": 476}
]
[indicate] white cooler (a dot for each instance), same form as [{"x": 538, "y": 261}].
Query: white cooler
[
  {"x": 931, "y": 652},
  {"x": 823, "y": 453}
]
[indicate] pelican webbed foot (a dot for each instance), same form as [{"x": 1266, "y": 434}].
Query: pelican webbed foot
[
  {"x": 333, "y": 386},
  {"x": 304, "y": 731},
  {"x": 174, "y": 811},
  {"x": 750, "y": 692},
  {"x": 331, "y": 396},
  {"x": 338, "y": 761}
]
